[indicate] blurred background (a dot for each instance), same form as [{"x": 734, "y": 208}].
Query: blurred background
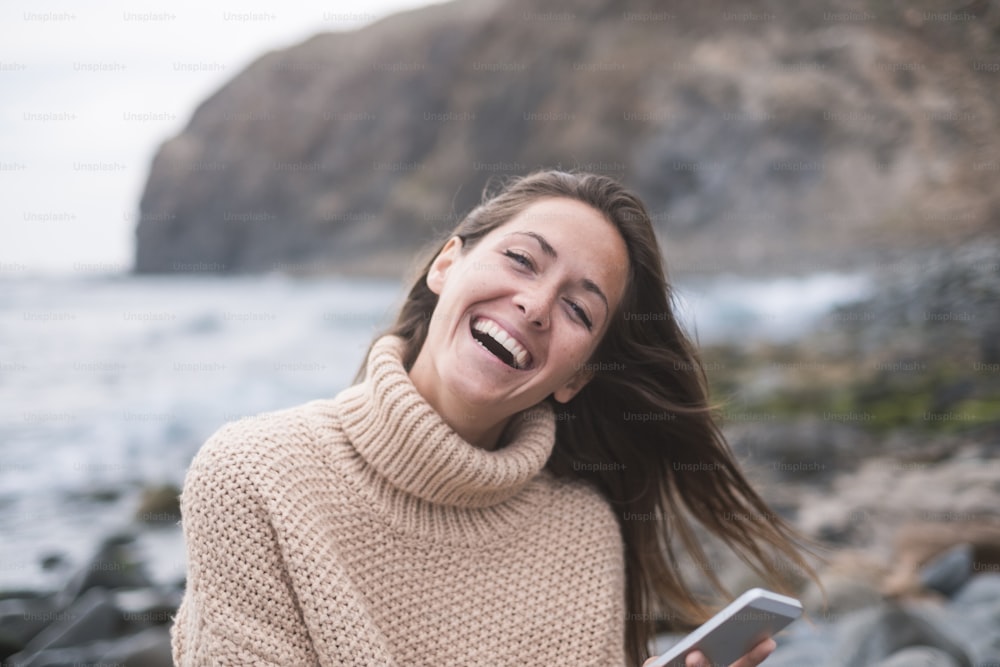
[{"x": 208, "y": 212}]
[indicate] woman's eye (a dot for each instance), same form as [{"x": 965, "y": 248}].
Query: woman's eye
[
  {"x": 581, "y": 314},
  {"x": 526, "y": 262},
  {"x": 523, "y": 260}
]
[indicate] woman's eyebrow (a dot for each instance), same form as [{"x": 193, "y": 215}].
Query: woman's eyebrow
[
  {"x": 547, "y": 248},
  {"x": 591, "y": 286}
]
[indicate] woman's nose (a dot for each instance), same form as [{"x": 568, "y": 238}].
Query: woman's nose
[{"x": 536, "y": 305}]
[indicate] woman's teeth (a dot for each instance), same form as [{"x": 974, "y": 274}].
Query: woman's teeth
[{"x": 518, "y": 354}]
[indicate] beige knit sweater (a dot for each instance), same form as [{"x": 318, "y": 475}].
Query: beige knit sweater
[{"x": 362, "y": 530}]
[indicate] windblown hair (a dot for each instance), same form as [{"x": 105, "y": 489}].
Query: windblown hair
[{"x": 674, "y": 466}]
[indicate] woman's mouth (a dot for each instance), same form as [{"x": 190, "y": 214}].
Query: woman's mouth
[{"x": 494, "y": 338}]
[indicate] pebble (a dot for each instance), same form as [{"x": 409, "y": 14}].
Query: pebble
[
  {"x": 948, "y": 572},
  {"x": 918, "y": 656}
]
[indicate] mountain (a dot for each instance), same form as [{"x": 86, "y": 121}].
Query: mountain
[{"x": 764, "y": 138}]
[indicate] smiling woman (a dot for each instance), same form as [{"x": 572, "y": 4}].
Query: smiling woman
[
  {"x": 438, "y": 511},
  {"x": 515, "y": 320}
]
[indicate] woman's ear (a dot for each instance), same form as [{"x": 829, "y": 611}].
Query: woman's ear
[
  {"x": 446, "y": 257},
  {"x": 579, "y": 380}
]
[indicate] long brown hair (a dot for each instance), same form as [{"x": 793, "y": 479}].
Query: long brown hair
[{"x": 643, "y": 425}]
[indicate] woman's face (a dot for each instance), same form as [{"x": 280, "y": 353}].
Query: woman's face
[{"x": 520, "y": 314}]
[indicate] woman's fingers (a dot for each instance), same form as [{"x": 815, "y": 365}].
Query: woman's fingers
[
  {"x": 695, "y": 659},
  {"x": 759, "y": 653},
  {"x": 756, "y": 656}
]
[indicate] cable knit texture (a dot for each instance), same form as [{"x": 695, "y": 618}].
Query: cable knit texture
[{"x": 362, "y": 530}]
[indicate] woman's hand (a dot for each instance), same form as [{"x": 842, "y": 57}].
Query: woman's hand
[{"x": 756, "y": 656}]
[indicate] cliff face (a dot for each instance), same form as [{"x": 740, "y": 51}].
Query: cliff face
[{"x": 767, "y": 137}]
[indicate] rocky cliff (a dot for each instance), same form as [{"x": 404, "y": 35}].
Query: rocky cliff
[{"x": 763, "y": 136}]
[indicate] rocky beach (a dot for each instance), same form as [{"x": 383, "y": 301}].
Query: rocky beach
[
  {"x": 871, "y": 434},
  {"x": 829, "y": 171}
]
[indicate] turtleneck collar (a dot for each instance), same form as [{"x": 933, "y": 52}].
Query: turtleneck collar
[{"x": 406, "y": 441}]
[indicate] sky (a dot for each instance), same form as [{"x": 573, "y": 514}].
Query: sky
[{"x": 88, "y": 92}]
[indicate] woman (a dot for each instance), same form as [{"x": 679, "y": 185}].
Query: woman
[{"x": 497, "y": 487}]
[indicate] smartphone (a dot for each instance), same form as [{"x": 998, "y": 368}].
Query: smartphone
[{"x": 730, "y": 634}]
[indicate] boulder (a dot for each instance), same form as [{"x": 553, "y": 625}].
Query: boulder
[
  {"x": 918, "y": 656},
  {"x": 149, "y": 648},
  {"x": 982, "y": 589},
  {"x": 871, "y": 635},
  {"x": 114, "y": 565},
  {"x": 21, "y": 619},
  {"x": 949, "y": 571},
  {"x": 91, "y": 617}
]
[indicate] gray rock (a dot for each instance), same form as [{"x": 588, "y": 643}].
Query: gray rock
[
  {"x": 21, "y": 620},
  {"x": 115, "y": 565},
  {"x": 918, "y": 656},
  {"x": 949, "y": 571},
  {"x": 93, "y": 630},
  {"x": 871, "y": 635},
  {"x": 982, "y": 589},
  {"x": 975, "y": 627},
  {"x": 84, "y": 655},
  {"x": 149, "y": 648},
  {"x": 146, "y": 607},
  {"x": 802, "y": 648},
  {"x": 92, "y": 617}
]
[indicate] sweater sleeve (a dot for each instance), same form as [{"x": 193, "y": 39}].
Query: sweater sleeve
[{"x": 239, "y": 607}]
